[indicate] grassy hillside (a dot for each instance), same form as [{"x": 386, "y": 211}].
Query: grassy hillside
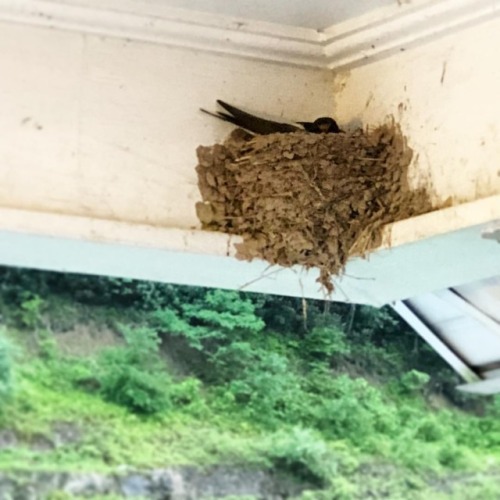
[{"x": 98, "y": 374}]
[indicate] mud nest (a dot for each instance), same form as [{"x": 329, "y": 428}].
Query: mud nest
[{"x": 308, "y": 199}]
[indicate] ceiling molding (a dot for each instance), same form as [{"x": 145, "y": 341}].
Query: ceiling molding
[
  {"x": 154, "y": 23},
  {"x": 396, "y": 28},
  {"x": 374, "y": 35}
]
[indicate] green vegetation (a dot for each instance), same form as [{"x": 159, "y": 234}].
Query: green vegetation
[
  {"x": 6, "y": 369},
  {"x": 343, "y": 398}
]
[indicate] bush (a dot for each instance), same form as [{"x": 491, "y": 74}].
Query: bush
[
  {"x": 133, "y": 375},
  {"x": 186, "y": 392},
  {"x": 261, "y": 382},
  {"x": 450, "y": 454},
  {"x": 414, "y": 454},
  {"x": 346, "y": 408},
  {"x": 47, "y": 345},
  {"x": 30, "y": 310},
  {"x": 168, "y": 321},
  {"x": 323, "y": 343},
  {"x": 224, "y": 310},
  {"x": 138, "y": 390},
  {"x": 213, "y": 319},
  {"x": 6, "y": 369},
  {"x": 430, "y": 430},
  {"x": 413, "y": 382},
  {"x": 304, "y": 454}
]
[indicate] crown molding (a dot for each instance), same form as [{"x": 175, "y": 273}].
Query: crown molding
[
  {"x": 396, "y": 28},
  {"x": 153, "y": 22},
  {"x": 374, "y": 35}
]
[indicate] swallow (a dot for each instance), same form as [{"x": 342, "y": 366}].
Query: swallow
[{"x": 262, "y": 126}]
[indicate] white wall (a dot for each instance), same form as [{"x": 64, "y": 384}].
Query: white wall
[
  {"x": 108, "y": 128},
  {"x": 445, "y": 95}
]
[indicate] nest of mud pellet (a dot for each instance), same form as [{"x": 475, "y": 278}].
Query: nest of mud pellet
[{"x": 308, "y": 199}]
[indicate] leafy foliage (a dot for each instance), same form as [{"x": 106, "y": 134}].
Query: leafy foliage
[
  {"x": 286, "y": 378},
  {"x": 215, "y": 315},
  {"x": 30, "y": 310},
  {"x": 265, "y": 387},
  {"x": 305, "y": 454},
  {"x": 414, "y": 381},
  {"x": 94, "y": 290},
  {"x": 325, "y": 343},
  {"x": 6, "y": 369},
  {"x": 133, "y": 375}
]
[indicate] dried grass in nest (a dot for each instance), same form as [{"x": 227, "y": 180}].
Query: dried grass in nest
[{"x": 309, "y": 199}]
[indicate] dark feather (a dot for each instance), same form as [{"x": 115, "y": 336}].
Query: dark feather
[{"x": 263, "y": 126}]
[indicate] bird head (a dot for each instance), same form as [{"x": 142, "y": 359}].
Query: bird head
[{"x": 327, "y": 125}]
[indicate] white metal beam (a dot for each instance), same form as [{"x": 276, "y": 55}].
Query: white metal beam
[
  {"x": 485, "y": 387},
  {"x": 435, "y": 342}
]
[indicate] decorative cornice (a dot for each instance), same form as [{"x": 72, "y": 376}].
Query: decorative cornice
[
  {"x": 357, "y": 41},
  {"x": 154, "y": 23},
  {"x": 392, "y": 29}
]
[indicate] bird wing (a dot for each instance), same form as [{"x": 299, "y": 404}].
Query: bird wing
[
  {"x": 309, "y": 126},
  {"x": 251, "y": 122}
]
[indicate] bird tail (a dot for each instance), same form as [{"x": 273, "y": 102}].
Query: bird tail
[
  {"x": 250, "y": 122},
  {"x": 221, "y": 116},
  {"x": 235, "y": 112}
]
